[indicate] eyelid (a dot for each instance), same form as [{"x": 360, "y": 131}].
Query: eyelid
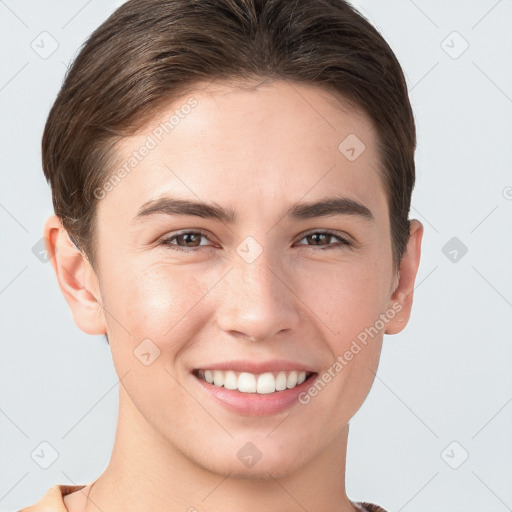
[
  {"x": 174, "y": 234},
  {"x": 334, "y": 233},
  {"x": 344, "y": 241}
]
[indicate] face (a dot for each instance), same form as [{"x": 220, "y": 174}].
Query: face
[{"x": 259, "y": 278}]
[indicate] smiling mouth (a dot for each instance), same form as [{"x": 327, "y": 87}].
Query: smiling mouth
[{"x": 245, "y": 382}]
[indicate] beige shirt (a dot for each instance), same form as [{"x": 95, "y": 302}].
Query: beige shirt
[{"x": 52, "y": 501}]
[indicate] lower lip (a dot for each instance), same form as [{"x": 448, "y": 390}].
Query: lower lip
[{"x": 255, "y": 404}]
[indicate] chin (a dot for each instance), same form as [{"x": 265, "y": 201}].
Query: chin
[{"x": 263, "y": 470}]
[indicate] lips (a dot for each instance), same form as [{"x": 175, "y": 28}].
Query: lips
[
  {"x": 257, "y": 367},
  {"x": 251, "y": 387}
]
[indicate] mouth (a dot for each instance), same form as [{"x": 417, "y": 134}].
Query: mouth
[
  {"x": 255, "y": 388},
  {"x": 266, "y": 383}
]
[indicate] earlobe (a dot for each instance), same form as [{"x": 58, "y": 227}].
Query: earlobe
[
  {"x": 403, "y": 293},
  {"x": 77, "y": 280}
]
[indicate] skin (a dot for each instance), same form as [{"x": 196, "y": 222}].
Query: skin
[{"x": 255, "y": 152}]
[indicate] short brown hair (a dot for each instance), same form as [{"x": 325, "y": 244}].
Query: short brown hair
[{"x": 151, "y": 51}]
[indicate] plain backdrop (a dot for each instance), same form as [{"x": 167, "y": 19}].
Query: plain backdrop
[{"x": 435, "y": 433}]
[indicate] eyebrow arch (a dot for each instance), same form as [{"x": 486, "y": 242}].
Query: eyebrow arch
[{"x": 329, "y": 206}]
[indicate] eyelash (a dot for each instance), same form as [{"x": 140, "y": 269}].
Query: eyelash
[{"x": 342, "y": 245}]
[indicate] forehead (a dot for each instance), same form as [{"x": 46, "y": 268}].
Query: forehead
[{"x": 275, "y": 143}]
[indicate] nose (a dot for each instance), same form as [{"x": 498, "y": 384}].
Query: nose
[{"x": 256, "y": 300}]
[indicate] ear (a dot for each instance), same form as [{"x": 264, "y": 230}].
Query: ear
[
  {"x": 401, "y": 299},
  {"x": 77, "y": 279}
]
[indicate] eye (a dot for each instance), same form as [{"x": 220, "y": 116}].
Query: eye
[
  {"x": 188, "y": 241},
  {"x": 321, "y": 238},
  {"x": 185, "y": 239}
]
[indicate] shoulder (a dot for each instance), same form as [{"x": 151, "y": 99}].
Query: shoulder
[
  {"x": 368, "y": 507},
  {"x": 52, "y": 500}
]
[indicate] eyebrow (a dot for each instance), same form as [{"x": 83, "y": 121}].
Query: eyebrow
[{"x": 326, "y": 207}]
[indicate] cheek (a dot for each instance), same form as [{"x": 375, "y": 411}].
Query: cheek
[
  {"x": 159, "y": 300},
  {"x": 346, "y": 301},
  {"x": 155, "y": 310},
  {"x": 345, "y": 305},
  {"x": 342, "y": 299}
]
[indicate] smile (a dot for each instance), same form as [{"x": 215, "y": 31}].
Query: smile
[{"x": 245, "y": 382}]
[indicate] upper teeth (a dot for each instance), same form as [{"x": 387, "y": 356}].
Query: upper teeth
[{"x": 251, "y": 383}]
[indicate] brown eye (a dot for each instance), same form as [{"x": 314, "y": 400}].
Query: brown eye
[
  {"x": 321, "y": 240},
  {"x": 184, "y": 240},
  {"x": 188, "y": 241}
]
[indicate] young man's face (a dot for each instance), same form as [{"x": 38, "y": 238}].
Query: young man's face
[{"x": 258, "y": 288}]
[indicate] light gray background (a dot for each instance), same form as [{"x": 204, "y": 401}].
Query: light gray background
[{"x": 447, "y": 378}]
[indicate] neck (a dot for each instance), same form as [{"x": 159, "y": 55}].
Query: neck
[{"x": 147, "y": 472}]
